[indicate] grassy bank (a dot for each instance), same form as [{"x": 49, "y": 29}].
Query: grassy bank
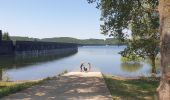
[
  {"x": 132, "y": 89},
  {"x": 7, "y": 88}
]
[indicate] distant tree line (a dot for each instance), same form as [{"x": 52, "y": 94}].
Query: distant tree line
[
  {"x": 5, "y": 36},
  {"x": 108, "y": 41}
]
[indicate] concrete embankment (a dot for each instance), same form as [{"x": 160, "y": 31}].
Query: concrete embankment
[
  {"x": 71, "y": 86},
  {"x": 35, "y": 47}
]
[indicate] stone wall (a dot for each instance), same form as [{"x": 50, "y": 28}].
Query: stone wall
[
  {"x": 6, "y": 48},
  {"x": 43, "y": 48},
  {"x": 32, "y": 46},
  {"x": 35, "y": 47}
]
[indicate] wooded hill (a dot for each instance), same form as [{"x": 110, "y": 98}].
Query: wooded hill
[{"x": 108, "y": 41}]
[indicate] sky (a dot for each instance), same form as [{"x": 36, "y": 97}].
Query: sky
[{"x": 50, "y": 18}]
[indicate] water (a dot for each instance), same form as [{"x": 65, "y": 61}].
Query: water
[{"x": 102, "y": 58}]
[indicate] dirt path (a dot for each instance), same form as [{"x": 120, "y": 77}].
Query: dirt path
[{"x": 71, "y": 86}]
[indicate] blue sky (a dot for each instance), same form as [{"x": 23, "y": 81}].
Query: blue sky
[{"x": 50, "y": 18}]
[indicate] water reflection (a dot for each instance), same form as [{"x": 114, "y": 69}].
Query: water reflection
[
  {"x": 157, "y": 64},
  {"x": 9, "y": 62},
  {"x": 103, "y": 58},
  {"x": 131, "y": 67}
]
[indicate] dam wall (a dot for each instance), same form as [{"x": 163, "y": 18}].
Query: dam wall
[
  {"x": 43, "y": 48},
  {"x": 6, "y": 48},
  {"x": 35, "y": 47}
]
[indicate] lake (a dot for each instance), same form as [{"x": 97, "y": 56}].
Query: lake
[{"x": 102, "y": 58}]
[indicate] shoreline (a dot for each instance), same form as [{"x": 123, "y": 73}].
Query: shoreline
[{"x": 114, "y": 76}]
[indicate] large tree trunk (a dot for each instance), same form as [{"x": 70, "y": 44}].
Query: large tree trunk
[{"x": 164, "y": 87}]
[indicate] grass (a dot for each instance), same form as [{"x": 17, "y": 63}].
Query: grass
[
  {"x": 7, "y": 88},
  {"x": 64, "y": 72},
  {"x": 132, "y": 89}
]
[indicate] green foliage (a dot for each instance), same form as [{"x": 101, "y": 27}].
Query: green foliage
[
  {"x": 144, "y": 48},
  {"x": 62, "y": 73},
  {"x": 114, "y": 41},
  {"x": 5, "y": 36},
  {"x": 78, "y": 41},
  {"x": 19, "y": 38},
  {"x": 118, "y": 15},
  {"x": 109, "y": 41},
  {"x": 139, "y": 16},
  {"x": 10, "y": 87},
  {"x": 131, "y": 58}
]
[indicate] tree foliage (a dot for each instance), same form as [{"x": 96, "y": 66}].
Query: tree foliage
[
  {"x": 5, "y": 36},
  {"x": 117, "y": 15},
  {"x": 139, "y": 16}
]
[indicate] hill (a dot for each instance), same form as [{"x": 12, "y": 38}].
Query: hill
[{"x": 108, "y": 41}]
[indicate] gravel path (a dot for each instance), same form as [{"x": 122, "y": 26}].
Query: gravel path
[{"x": 71, "y": 86}]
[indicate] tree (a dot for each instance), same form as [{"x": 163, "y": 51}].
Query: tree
[
  {"x": 164, "y": 11},
  {"x": 6, "y": 36},
  {"x": 145, "y": 36},
  {"x": 117, "y": 14},
  {"x": 145, "y": 48},
  {"x": 141, "y": 17}
]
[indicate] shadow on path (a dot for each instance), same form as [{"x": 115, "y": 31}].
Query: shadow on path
[{"x": 75, "y": 86}]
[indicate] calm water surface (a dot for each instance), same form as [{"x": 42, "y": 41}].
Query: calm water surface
[{"x": 103, "y": 58}]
